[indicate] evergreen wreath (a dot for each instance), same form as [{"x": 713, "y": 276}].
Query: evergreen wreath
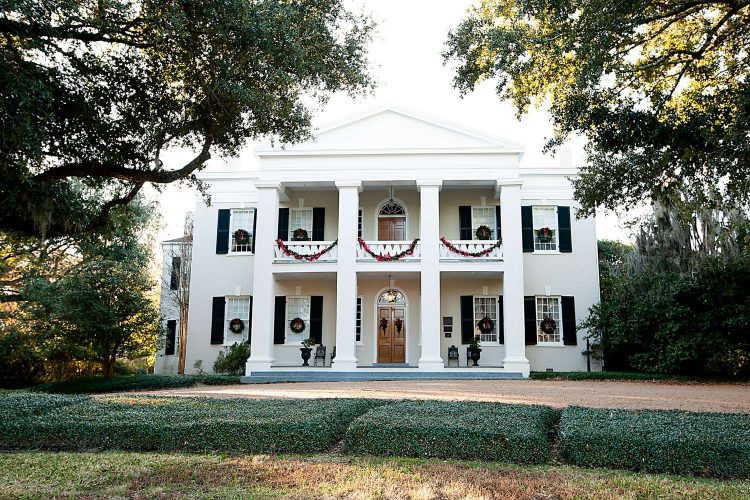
[
  {"x": 486, "y": 325},
  {"x": 241, "y": 237},
  {"x": 548, "y": 326},
  {"x": 300, "y": 234},
  {"x": 398, "y": 323},
  {"x": 545, "y": 235},
  {"x": 483, "y": 232},
  {"x": 383, "y": 324},
  {"x": 297, "y": 325},
  {"x": 236, "y": 325}
]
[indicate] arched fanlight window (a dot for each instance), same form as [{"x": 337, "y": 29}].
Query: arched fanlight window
[
  {"x": 392, "y": 207},
  {"x": 391, "y": 296}
]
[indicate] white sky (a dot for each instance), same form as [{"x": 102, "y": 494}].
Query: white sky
[{"x": 407, "y": 64}]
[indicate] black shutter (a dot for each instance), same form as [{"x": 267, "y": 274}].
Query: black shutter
[
  {"x": 467, "y": 318},
  {"x": 319, "y": 224},
  {"x": 279, "y": 320},
  {"x": 250, "y": 321},
  {"x": 568, "y": 306},
  {"x": 174, "y": 278},
  {"x": 316, "y": 318},
  {"x": 527, "y": 229},
  {"x": 563, "y": 227},
  {"x": 255, "y": 225},
  {"x": 359, "y": 320},
  {"x": 217, "y": 320},
  {"x": 360, "y": 222},
  {"x": 498, "y": 225},
  {"x": 283, "y": 224},
  {"x": 222, "y": 231},
  {"x": 500, "y": 321},
  {"x": 171, "y": 333},
  {"x": 529, "y": 316},
  {"x": 464, "y": 223}
]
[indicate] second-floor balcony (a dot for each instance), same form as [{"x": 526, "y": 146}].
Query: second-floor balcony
[
  {"x": 305, "y": 251},
  {"x": 389, "y": 251}
]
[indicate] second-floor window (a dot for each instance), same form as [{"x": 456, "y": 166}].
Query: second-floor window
[
  {"x": 483, "y": 216},
  {"x": 174, "y": 278},
  {"x": 545, "y": 229},
  {"x": 241, "y": 230},
  {"x": 300, "y": 218}
]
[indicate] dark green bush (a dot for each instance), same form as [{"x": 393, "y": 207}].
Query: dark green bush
[
  {"x": 233, "y": 361},
  {"x": 676, "y": 442},
  {"x": 165, "y": 424},
  {"x": 482, "y": 431},
  {"x": 93, "y": 385}
]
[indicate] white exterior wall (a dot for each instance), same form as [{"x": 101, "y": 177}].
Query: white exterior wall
[
  {"x": 471, "y": 170},
  {"x": 168, "y": 310}
]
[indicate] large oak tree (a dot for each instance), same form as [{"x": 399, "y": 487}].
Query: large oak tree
[
  {"x": 659, "y": 88},
  {"x": 93, "y": 92}
]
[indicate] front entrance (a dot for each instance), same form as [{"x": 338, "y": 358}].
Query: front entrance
[{"x": 391, "y": 334}]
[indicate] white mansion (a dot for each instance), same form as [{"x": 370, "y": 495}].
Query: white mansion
[{"x": 393, "y": 241}]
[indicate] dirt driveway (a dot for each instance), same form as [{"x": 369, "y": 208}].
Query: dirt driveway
[{"x": 603, "y": 394}]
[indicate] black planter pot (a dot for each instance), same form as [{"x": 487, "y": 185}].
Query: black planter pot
[
  {"x": 306, "y": 353},
  {"x": 474, "y": 355}
]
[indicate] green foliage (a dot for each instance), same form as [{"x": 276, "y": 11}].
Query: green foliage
[
  {"x": 479, "y": 431},
  {"x": 676, "y": 442},
  {"x": 97, "y": 385},
  {"x": 130, "y": 80},
  {"x": 598, "y": 376},
  {"x": 658, "y": 88},
  {"x": 233, "y": 362},
  {"x": 167, "y": 424},
  {"x": 674, "y": 323}
]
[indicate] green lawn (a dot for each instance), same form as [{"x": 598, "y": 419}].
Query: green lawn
[{"x": 33, "y": 474}]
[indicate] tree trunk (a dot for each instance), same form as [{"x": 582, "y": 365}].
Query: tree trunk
[{"x": 182, "y": 348}]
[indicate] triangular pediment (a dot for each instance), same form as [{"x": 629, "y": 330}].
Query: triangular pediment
[{"x": 390, "y": 129}]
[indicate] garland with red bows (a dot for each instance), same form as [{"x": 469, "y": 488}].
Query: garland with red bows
[
  {"x": 300, "y": 256},
  {"x": 480, "y": 253},
  {"x": 388, "y": 257}
]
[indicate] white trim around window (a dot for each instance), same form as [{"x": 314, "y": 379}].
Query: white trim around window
[
  {"x": 296, "y": 306},
  {"x": 483, "y": 215},
  {"x": 300, "y": 218},
  {"x": 486, "y": 305},
  {"x": 236, "y": 307},
  {"x": 545, "y": 216},
  {"x": 241, "y": 218},
  {"x": 549, "y": 306}
]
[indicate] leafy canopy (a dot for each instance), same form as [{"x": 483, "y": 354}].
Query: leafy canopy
[
  {"x": 659, "y": 87},
  {"x": 92, "y": 93}
]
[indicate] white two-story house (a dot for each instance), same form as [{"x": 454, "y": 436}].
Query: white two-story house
[{"x": 396, "y": 240}]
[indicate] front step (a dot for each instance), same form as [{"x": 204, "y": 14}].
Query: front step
[{"x": 321, "y": 376}]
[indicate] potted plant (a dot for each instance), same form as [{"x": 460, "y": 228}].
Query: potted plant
[
  {"x": 474, "y": 350},
  {"x": 306, "y": 350}
]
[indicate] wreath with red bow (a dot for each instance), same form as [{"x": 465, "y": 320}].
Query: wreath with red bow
[
  {"x": 548, "y": 326},
  {"x": 236, "y": 325},
  {"x": 483, "y": 232},
  {"x": 486, "y": 325},
  {"x": 300, "y": 234},
  {"x": 545, "y": 235},
  {"x": 297, "y": 325},
  {"x": 241, "y": 237}
]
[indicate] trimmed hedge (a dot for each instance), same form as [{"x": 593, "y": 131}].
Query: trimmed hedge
[
  {"x": 629, "y": 376},
  {"x": 165, "y": 424},
  {"x": 483, "y": 431},
  {"x": 94, "y": 385},
  {"x": 677, "y": 442}
]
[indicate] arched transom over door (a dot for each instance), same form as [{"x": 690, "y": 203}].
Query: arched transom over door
[
  {"x": 391, "y": 327},
  {"x": 392, "y": 222}
]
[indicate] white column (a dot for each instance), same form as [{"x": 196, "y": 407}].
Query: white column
[
  {"x": 429, "y": 224},
  {"x": 346, "y": 276},
  {"x": 261, "y": 351},
  {"x": 515, "y": 341}
]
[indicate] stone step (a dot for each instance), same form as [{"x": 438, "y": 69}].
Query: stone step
[{"x": 321, "y": 376}]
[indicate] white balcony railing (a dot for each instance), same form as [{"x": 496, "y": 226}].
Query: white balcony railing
[
  {"x": 385, "y": 251},
  {"x": 305, "y": 251},
  {"x": 470, "y": 250}
]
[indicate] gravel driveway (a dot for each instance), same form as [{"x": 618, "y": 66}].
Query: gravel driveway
[{"x": 603, "y": 394}]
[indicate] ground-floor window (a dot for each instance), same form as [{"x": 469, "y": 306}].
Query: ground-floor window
[
  {"x": 237, "y": 308},
  {"x": 297, "y": 307},
  {"x": 548, "y": 307},
  {"x": 485, "y": 306}
]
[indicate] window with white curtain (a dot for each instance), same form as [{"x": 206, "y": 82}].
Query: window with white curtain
[
  {"x": 237, "y": 307},
  {"x": 548, "y": 307},
  {"x": 483, "y": 216},
  {"x": 545, "y": 217},
  {"x": 300, "y": 218},
  {"x": 485, "y": 306},
  {"x": 241, "y": 219},
  {"x": 297, "y": 307}
]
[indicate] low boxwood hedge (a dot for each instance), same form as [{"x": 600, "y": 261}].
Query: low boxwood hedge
[
  {"x": 39, "y": 421},
  {"x": 94, "y": 385},
  {"x": 678, "y": 442},
  {"x": 485, "y": 431}
]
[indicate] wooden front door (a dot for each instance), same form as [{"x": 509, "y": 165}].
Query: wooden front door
[
  {"x": 391, "y": 334},
  {"x": 392, "y": 228}
]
